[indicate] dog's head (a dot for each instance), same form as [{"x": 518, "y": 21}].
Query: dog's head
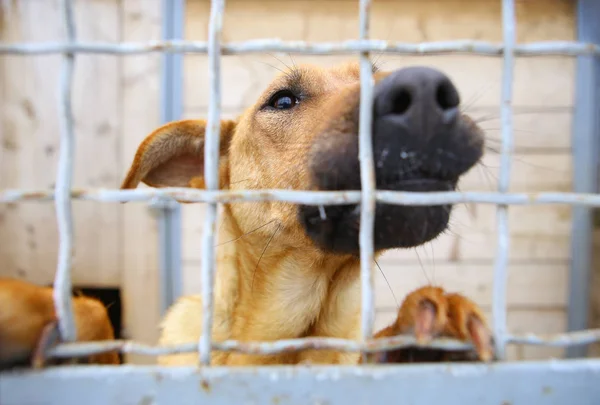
[{"x": 302, "y": 134}]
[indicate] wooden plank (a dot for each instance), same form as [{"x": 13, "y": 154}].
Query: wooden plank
[
  {"x": 546, "y": 81},
  {"x": 532, "y": 173},
  {"x": 545, "y": 84},
  {"x": 479, "y": 80},
  {"x": 536, "y": 233},
  {"x": 410, "y": 20},
  {"x": 536, "y": 130},
  {"x": 28, "y": 120},
  {"x": 535, "y": 285},
  {"x": 519, "y": 322},
  {"x": 31, "y": 142},
  {"x": 539, "y": 82},
  {"x": 141, "y": 81},
  {"x": 97, "y": 108}
]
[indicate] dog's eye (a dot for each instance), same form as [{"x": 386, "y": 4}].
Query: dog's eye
[{"x": 283, "y": 100}]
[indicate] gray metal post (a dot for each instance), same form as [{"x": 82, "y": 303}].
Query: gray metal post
[
  {"x": 169, "y": 218},
  {"x": 586, "y": 133}
]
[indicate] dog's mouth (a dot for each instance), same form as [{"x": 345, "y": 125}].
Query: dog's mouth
[
  {"x": 423, "y": 184},
  {"x": 336, "y": 228}
]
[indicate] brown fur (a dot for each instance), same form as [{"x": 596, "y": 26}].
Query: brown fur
[
  {"x": 272, "y": 281},
  {"x": 26, "y": 309}
]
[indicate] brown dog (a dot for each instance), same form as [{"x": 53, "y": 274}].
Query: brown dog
[
  {"x": 28, "y": 324},
  {"x": 286, "y": 271}
]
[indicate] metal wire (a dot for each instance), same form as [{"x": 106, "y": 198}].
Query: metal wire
[
  {"x": 211, "y": 175},
  {"x": 367, "y": 178},
  {"x": 291, "y": 345},
  {"x": 63, "y": 192},
  {"x": 500, "y": 280},
  {"x": 543, "y": 48},
  {"x": 171, "y": 109},
  {"x": 62, "y": 280},
  {"x": 307, "y": 197},
  {"x": 275, "y": 347}
]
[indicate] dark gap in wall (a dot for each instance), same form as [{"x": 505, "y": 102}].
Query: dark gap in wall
[{"x": 111, "y": 298}]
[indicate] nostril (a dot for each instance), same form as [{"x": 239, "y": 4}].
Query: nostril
[
  {"x": 401, "y": 102},
  {"x": 446, "y": 96}
]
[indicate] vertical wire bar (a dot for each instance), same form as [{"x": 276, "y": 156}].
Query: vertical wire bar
[
  {"x": 169, "y": 220},
  {"x": 211, "y": 174},
  {"x": 62, "y": 280},
  {"x": 367, "y": 177},
  {"x": 585, "y": 142},
  {"x": 500, "y": 269}
]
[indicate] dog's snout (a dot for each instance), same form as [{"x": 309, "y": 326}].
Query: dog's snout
[
  {"x": 421, "y": 142},
  {"x": 417, "y": 98}
]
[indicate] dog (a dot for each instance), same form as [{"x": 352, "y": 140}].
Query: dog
[
  {"x": 291, "y": 271},
  {"x": 29, "y": 327}
]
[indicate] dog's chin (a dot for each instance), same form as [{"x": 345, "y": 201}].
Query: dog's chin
[{"x": 335, "y": 229}]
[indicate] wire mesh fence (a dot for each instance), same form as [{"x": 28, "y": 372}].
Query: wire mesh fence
[{"x": 63, "y": 194}]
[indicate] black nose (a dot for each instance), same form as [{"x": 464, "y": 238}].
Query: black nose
[{"x": 417, "y": 99}]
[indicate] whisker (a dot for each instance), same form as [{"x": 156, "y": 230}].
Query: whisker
[
  {"x": 388, "y": 284},
  {"x": 482, "y": 168},
  {"x": 422, "y": 267},
  {"x": 377, "y": 57},
  {"x": 262, "y": 254},
  {"x": 273, "y": 66},
  {"x": 432, "y": 263},
  {"x": 280, "y": 61},
  {"x": 293, "y": 62},
  {"x": 247, "y": 233},
  {"x": 477, "y": 96},
  {"x": 521, "y": 160},
  {"x": 496, "y": 116},
  {"x": 492, "y": 149},
  {"x": 524, "y": 131},
  {"x": 239, "y": 181},
  {"x": 450, "y": 231}
]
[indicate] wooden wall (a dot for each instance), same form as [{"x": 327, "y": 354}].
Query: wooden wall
[
  {"x": 117, "y": 104},
  {"x": 462, "y": 259}
]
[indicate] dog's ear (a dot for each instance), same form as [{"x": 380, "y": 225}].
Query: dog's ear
[{"x": 173, "y": 156}]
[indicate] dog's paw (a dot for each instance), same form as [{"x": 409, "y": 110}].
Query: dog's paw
[{"x": 430, "y": 312}]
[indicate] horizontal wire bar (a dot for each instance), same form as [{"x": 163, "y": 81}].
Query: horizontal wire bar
[
  {"x": 544, "y": 48},
  {"x": 68, "y": 350},
  {"x": 584, "y": 337},
  {"x": 305, "y": 197},
  {"x": 280, "y": 346}
]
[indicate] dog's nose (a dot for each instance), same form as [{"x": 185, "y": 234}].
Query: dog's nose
[{"x": 417, "y": 99}]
